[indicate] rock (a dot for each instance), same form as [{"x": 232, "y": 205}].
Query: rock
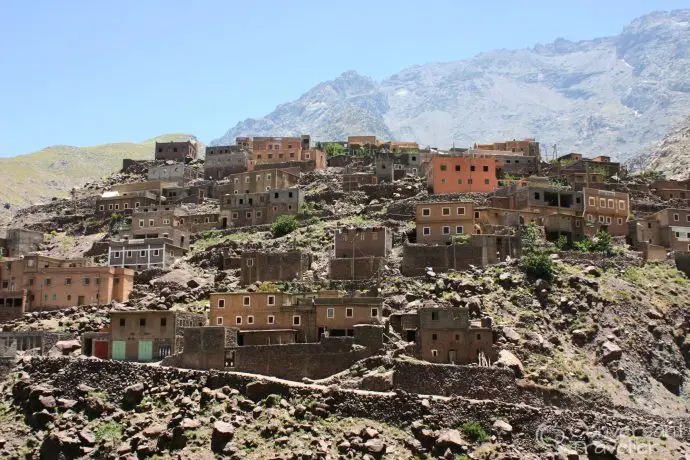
[
  {"x": 84, "y": 389},
  {"x": 68, "y": 346},
  {"x": 580, "y": 337},
  {"x": 47, "y": 402},
  {"x": 259, "y": 390},
  {"x": 42, "y": 418},
  {"x": 565, "y": 453},
  {"x": 65, "y": 403},
  {"x": 610, "y": 352},
  {"x": 222, "y": 434},
  {"x": 508, "y": 359},
  {"x": 94, "y": 406},
  {"x": 190, "y": 424},
  {"x": 654, "y": 314},
  {"x": 192, "y": 284},
  {"x": 133, "y": 395},
  {"x": 375, "y": 447},
  {"x": 591, "y": 270},
  {"x": 344, "y": 446},
  {"x": 154, "y": 431},
  {"x": 671, "y": 379},
  {"x": 178, "y": 439},
  {"x": 87, "y": 437},
  {"x": 377, "y": 381},
  {"x": 450, "y": 439},
  {"x": 368, "y": 433},
  {"x": 502, "y": 427},
  {"x": 511, "y": 334}
]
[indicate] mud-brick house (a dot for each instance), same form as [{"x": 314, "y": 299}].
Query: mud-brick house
[
  {"x": 15, "y": 242},
  {"x": 176, "y": 151},
  {"x": 669, "y": 229},
  {"x": 223, "y": 160},
  {"x": 259, "y": 208},
  {"x": 462, "y": 173},
  {"x": 257, "y": 181},
  {"x": 671, "y": 189},
  {"x": 144, "y": 254},
  {"x": 359, "y": 252},
  {"x": 273, "y": 266},
  {"x": 440, "y": 222},
  {"x": 149, "y": 335},
  {"x": 178, "y": 173},
  {"x": 604, "y": 208},
  {"x": 446, "y": 335},
  {"x": 163, "y": 221}
]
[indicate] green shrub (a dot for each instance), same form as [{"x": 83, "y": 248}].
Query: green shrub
[
  {"x": 284, "y": 225},
  {"x": 600, "y": 242},
  {"x": 538, "y": 265},
  {"x": 475, "y": 432},
  {"x": 562, "y": 242}
]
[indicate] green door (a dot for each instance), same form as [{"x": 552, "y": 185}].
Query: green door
[
  {"x": 145, "y": 350},
  {"x": 119, "y": 349}
]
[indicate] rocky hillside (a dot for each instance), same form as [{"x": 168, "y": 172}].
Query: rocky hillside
[
  {"x": 612, "y": 95},
  {"x": 671, "y": 156},
  {"x": 37, "y": 177}
]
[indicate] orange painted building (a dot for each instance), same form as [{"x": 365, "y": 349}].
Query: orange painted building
[{"x": 462, "y": 174}]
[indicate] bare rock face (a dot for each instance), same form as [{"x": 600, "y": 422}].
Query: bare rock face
[
  {"x": 609, "y": 351},
  {"x": 222, "y": 434},
  {"x": 508, "y": 359}
]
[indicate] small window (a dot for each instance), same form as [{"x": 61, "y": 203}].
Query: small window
[
  {"x": 459, "y": 230},
  {"x": 122, "y": 322},
  {"x": 246, "y": 301},
  {"x": 129, "y": 254},
  {"x": 470, "y": 181},
  {"x": 426, "y": 231},
  {"x": 601, "y": 219},
  {"x": 461, "y": 211},
  {"x": 426, "y": 211},
  {"x": 485, "y": 168},
  {"x": 608, "y": 219},
  {"x": 221, "y": 303},
  {"x": 459, "y": 181},
  {"x": 676, "y": 218},
  {"x": 141, "y": 222},
  {"x": 374, "y": 312},
  {"x": 219, "y": 321},
  {"x": 87, "y": 281},
  {"x": 610, "y": 203},
  {"x": 69, "y": 298},
  {"x": 136, "y": 205},
  {"x": 101, "y": 208},
  {"x": 330, "y": 313},
  {"x": 486, "y": 181},
  {"x": 457, "y": 168},
  {"x": 238, "y": 320},
  {"x": 619, "y": 221},
  {"x": 445, "y": 211},
  {"x": 296, "y": 320},
  {"x": 156, "y": 252},
  {"x": 151, "y": 222},
  {"x": 142, "y": 253},
  {"x": 271, "y": 300},
  {"x": 473, "y": 168},
  {"x": 349, "y": 312},
  {"x": 116, "y": 254},
  {"x": 592, "y": 201},
  {"x": 250, "y": 319},
  {"x": 602, "y": 202},
  {"x": 537, "y": 195},
  {"x": 476, "y": 214},
  {"x": 434, "y": 316},
  {"x": 434, "y": 336},
  {"x": 434, "y": 353},
  {"x": 446, "y": 230},
  {"x": 250, "y": 262},
  {"x": 142, "y": 322},
  {"x": 68, "y": 281}
]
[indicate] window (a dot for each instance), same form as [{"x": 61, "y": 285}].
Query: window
[
  {"x": 136, "y": 205},
  {"x": 445, "y": 211},
  {"x": 459, "y": 181},
  {"x": 434, "y": 337},
  {"x": 349, "y": 312},
  {"x": 537, "y": 195},
  {"x": 125, "y": 205},
  {"x": 246, "y": 301},
  {"x": 142, "y": 322},
  {"x": 122, "y": 322},
  {"x": 426, "y": 231},
  {"x": 434, "y": 316},
  {"x": 470, "y": 181},
  {"x": 270, "y": 319},
  {"x": 238, "y": 320},
  {"x": 258, "y": 214},
  {"x": 619, "y": 221},
  {"x": 486, "y": 181},
  {"x": 87, "y": 281},
  {"x": 457, "y": 168},
  {"x": 443, "y": 181},
  {"x": 434, "y": 353},
  {"x": 476, "y": 214},
  {"x": 485, "y": 168},
  {"x": 142, "y": 253},
  {"x": 151, "y": 222},
  {"x": 592, "y": 201},
  {"x": 271, "y": 300},
  {"x": 221, "y": 303},
  {"x": 110, "y": 207},
  {"x": 443, "y": 167},
  {"x": 116, "y": 254},
  {"x": 250, "y": 319},
  {"x": 117, "y": 206},
  {"x": 676, "y": 218},
  {"x": 129, "y": 254},
  {"x": 116, "y": 280},
  {"x": 608, "y": 219},
  {"x": 610, "y": 203},
  {"x": 166, "y": 221},
  {"x": 601, "y": 219},
  {"x": 687, "y": 218},
  {"x": 330, "y": 313},
  {"x": 141, "y": 222},
  {"x": 473, "y": 168},
  {"x": 426, "y": 212},
  {"x": 577, "y": 224},
  {"x": 249, "y": 214},
  {"x": 156, "y": 252},
  {"x": 677, "y": 234},
  {"x": 590, "y": 218},
  {"x": 459, "y": 230},
  {"x": 602, "y": 202},
  {"x": 68, "y": 281},
  {"x": 235, "y": 215},
  {"x": 268, "y": 177},
  {"x": 374, "y": 312},
  {"x": 296, "y": 320},
  {"x": 457, "y": 336},
  {"x": 446, "y": 230},
  {"x": 101, "y": 208}
]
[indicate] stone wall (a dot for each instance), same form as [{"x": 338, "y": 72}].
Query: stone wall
[
  {"x": 683, "y": 262},
  {"x": 653, "y": 252},
  {"x": 298, "y": 360},
  {"x": 204, "y": 347},
  {"x": 364, "y": 267}
]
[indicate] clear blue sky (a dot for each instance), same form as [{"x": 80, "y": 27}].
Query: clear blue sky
[{"x": 90, "y": 72}]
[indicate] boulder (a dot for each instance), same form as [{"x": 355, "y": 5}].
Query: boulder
[
  {"x": 591, "y": 270},
  {"x": 133, "y": 395},
  {"x": 68, "y": 346},
  {"x": 259, "y": 390},
  {"x": 511, "y": 334},
  {"x": 610, "y": 352},
  {"x": 377, "y": 381},
  {"x": 222, "y": 434},
  {"x": 501, "y": 427},
  {"x": 375, "y": 447},
  {"x": 450, "y": 439},
  {"x": 87, "y": 437},
  {"x": 671, "y": 379},
  {"x": 192, "y": 284},
  {"x": 508, "y": 359}
]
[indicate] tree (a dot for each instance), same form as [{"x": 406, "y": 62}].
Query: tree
[
  {"x": 334, "y": 149},
  {"x": 284, "y": 225}
]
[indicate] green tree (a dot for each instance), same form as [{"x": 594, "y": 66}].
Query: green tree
[
  {"x": 334, "y": 149},
  {"x": 284, "y": 225}
]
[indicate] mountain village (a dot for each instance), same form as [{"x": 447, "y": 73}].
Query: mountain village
[{"x": 338, "y": 263}]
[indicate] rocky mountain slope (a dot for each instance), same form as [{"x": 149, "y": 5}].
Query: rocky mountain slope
[
  {"x": 53, "y": 171},
  {"x": 612, "y": 95},
  {"x": 671, "y": 156}
]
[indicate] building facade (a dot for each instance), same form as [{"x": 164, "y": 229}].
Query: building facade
[
  {"x": 176, "y": 151},
  {"x": 177, "y": 172},
  {"x": 144, "y": 254},
  {"x": 259, "y": 208},
  {"x": 257, "y": 182},
  {"x": 18, "y": 242},
  {"x": 462, "y": 173},
  {"x": 223, "y": 160},
  {"x": 604, "y": 208},
  {"x": 440, "y": 222},
  {"x": 160, "y": 222},
  {"x": 273, "y": 266},
  {"x": 669, "y": 228}
]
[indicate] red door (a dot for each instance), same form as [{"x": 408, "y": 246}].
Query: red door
[{"x": 100, "y": 349}]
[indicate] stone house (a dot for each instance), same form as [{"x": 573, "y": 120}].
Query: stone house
[
  {"x": 583, "y": 171},
  {"x": 149, "y": 335},
  {"x": 160, "y": 222},
  {"x": 359, "y": 253},
  {"x": 257, "y": 182},
  {"x": 273, "y": 266},
  {"x": 275, "y": 150},
  {"x": 176, "y": 151},
  {"x": 509, "y": 163},
  {"x": 13, "y": 304},
  {"x": 223, "y": 160},
  {"x": 446, "y": 335},
  {"x": 461, "y": 173},
  {"x": 542, "y": 199},
  {"x": 669, "y": 228},
  {"x": 337, "y": 316},
  {"x": 440, "y": 222},
  {"x": 671, "y": 189},
  {"x": 259, "y": 208},
  {"x": 51, "y": 284},
  {"x": 18, "y": 242},
  {"x": 529, "y": 147},
  {"x": 605, "y": 208},
  {"x": 114, "y": 202},
  {"x": 354, "y": 180},
  {"x": 41, "y": 341},
  {"x": 178, "y": 173},
  {"x": 202, "y": 222},
  {"x": 144, "y": 254}
]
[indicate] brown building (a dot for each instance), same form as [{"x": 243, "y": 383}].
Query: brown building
[
  {"x": 178, "y": 173},
  {"x": 439, "y": 222},
  {"x": 671, "y": 189},
  {"x": 446, "y": 335},
  {"x": 462, "y": 173},
  {"x": 52, "y": 284},
  {"x": 202, "y": 222},
  {"x": 149, "y": 335},
  {"x": 223, "y": 160},
  {"x": 257, "y": 182},
  {"x": 355, "y": 180},
  {"x": 606, "y": 208},
  {"x": 114, "y": 202},
  {"x": 259, "y": 208},
  {"x": 359, "y": 253},
  {"x": 18, "y": 242},
  {"x": 176, "y": 151},
  {"x": 160, "y": 222},
  {"x": 273, "y": 266},
  {"x": 669, "y": 229},
  {"x": 529, "y": 147},
  {"x": 144, "y": 254},
  {"x": 337, "y": 316}
]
